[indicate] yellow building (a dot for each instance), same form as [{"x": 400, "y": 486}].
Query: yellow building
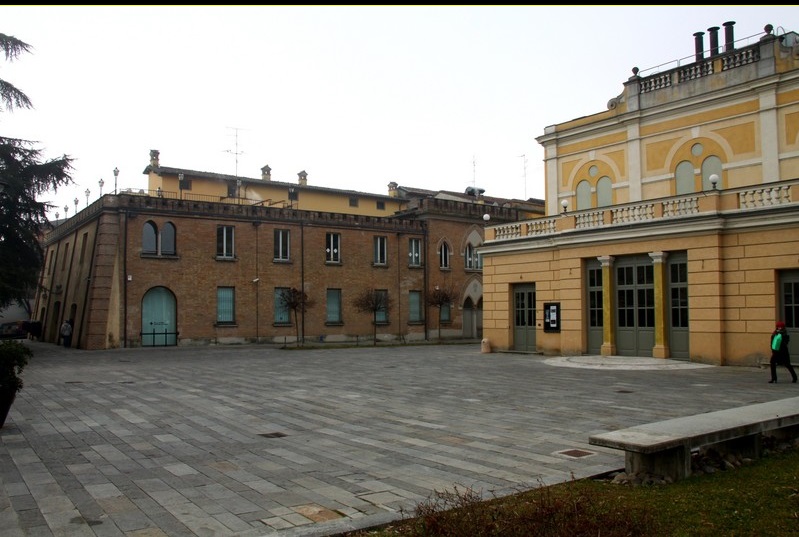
[{"x": 672, "y": 225}]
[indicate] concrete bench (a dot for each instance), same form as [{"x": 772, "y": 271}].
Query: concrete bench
[{"x": 664, "y": 448}]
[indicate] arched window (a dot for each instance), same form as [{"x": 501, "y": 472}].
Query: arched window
[
  {"x": 684, "y": 178},
  {"x": 604, "y": 192},
  {"x": 583, "y": 195},
  {"x": 168, "y": 239},
  {"x": 473, "y": 259},
  {"x": 711, "y": 165},
  {"x": 443, "y": 256},
  {"x": 149, "y": 238}
]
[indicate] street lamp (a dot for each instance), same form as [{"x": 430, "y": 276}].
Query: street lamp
[
  {"x": 76, "y": 205},
  {"x": 66, "y": 211},
  {"x": 116, "y": 174},
  {"x": 101, "y": 183}
]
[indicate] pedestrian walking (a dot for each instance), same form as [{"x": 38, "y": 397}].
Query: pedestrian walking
[
  {"x": 66, "y": 332},
  {"x": 779, "y": 352}
]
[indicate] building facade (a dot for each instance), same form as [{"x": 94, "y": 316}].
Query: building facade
[
  {"x": 672, "y": 225},
  {"x": 201, "y": 258}
]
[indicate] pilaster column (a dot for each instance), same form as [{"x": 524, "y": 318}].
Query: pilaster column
[
  {"x": 608, "y": 307},
  {"x": 661, "y": 348}
]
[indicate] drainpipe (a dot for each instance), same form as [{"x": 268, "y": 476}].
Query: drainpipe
[
  {"x": 399, "y": 288},
  {"x": 257, "y": 285},
  {"x": 302, "y": 277},
  {"x": 124, "y": 217},
  {"x": 89, "y": 278},
  {"x": 426, "y": 280}
]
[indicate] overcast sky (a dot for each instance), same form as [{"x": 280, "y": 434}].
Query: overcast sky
[{"x": 437, "y": 97}]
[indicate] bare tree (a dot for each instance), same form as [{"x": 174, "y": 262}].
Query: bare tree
[
  {"x": 373, "y": 301},
  {"x": 297, "y": 302},
  {"x": 442, "y": 296}
]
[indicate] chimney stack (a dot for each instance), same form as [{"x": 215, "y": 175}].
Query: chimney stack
[
  {"x": 154, "y": 160},
  {"x": 699, "y": 46},
  {"x": 392, "y": 189},
  {"x": 714, "y": 41},
  {"x": 266, "y": 173},
  {"x": 303, "y": 178},
  {"x": 729, "y": 38}
]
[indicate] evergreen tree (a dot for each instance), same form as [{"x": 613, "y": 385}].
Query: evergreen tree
[{"x": 24, "y": 175}]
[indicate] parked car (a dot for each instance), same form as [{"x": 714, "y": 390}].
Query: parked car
[{"x": 14, "y": 330}]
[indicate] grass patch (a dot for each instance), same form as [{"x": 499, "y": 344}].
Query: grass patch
[{"x": 760, "y": 498}]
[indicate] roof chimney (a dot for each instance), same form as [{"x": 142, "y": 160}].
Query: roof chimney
[
  {"x": 154, "y": 161},
  {"x": 729, "y": 38},
  {"x": 303, "y": 178},
  {"x": 699, "y": 46},
  {"x": 714, "y": 40},
  {"x": 266, "y": 173},
  {"x": 392, "y": 189}
]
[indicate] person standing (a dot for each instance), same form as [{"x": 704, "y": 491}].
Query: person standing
[
  {"x": 779, "y": 352},
  {"x": 66, "y": 332}
]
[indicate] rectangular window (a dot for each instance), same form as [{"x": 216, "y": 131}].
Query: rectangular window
[
  {"x": 334, "y": 306},
  {"x": 282, "y": 245},
  {"x": 381, "y": 314},
  {"x": 232, "y": 190},
  {"x": 353, "y": 201},
  {"x": 225, "y": 305},
  {"x": 50, "y": 265},
  {"x": 415, "y": 252},
  {"x": 380, "y": 250},
  {"x": 415, "y": 306},
  {"x": 83, "y": 241},
  {"x": 183, "y": 183},
  {"x": 66, "y": 255},
  {"x": 381, "y": 205},
  {"x": 224, "y": 242},
  {"x": 446, "y": 312},
  {"x": 294, "y": 195},
  {"x": 333, "y": 248},
  {"x": 281, "y": 309}
]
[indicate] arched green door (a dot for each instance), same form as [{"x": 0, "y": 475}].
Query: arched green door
[{"x": 159, "y": 318}]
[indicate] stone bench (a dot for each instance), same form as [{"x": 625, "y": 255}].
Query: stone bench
[{"x": 664, "y": 448}]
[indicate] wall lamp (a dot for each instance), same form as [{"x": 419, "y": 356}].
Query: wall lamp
[
  {"x": 714, "y": 180},
  {"x": 565, "y": 204}
]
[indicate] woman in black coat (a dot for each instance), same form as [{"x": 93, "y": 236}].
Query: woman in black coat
[{"x": 779, "y": 352}]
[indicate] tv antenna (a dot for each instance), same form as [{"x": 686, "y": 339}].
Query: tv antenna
[
  {"x": 524, "y": 157},
  {"x": 236, "y": 152}
]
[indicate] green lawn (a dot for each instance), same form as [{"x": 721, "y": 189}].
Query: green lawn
[{"x": 759, "y": 498}]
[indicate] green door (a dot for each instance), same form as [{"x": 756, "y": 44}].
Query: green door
[
  {"x": 524, "y": 317},
  {"x": 159, "y": 318}
]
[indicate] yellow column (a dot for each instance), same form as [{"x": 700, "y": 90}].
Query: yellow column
[
  {"x": 661, "y": 348},
  {"x": 608, "y": 307}
]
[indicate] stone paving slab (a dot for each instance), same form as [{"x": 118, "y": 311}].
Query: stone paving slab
[{"x": 254, "y": 441}]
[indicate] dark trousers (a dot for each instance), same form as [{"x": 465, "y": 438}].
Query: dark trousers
[{"x": 774, "y": 363}]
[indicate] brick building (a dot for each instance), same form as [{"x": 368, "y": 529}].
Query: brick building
[{"x": 203, "y": 258}]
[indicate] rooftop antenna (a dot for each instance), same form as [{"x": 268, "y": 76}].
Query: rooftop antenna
[
  {"x": 474, "y": 171},
  {"x": 236, "y": 152},
  {"x": 524, "y": 156}
]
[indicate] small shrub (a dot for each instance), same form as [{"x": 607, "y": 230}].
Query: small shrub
[{"x": 14, "y": 356}]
